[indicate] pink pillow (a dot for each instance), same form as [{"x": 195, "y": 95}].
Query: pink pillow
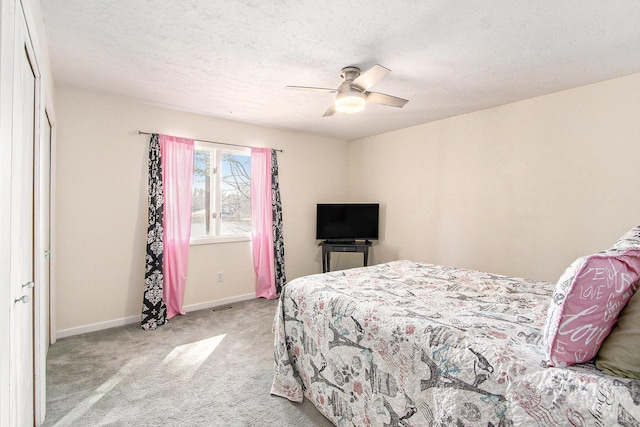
[{"x": 586, "y": 303}]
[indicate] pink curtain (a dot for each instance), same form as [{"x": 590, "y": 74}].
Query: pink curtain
[
  {"x": 177, "y": 177},
  {"x": 262, "y": 222}
]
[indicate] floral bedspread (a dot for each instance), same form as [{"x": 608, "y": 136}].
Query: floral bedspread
[{"x": 411, "y": 344}]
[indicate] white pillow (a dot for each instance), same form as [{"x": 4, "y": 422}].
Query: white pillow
[{"x": 630, "y": 239}]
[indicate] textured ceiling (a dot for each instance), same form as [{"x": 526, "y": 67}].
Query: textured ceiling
[{"x": 232, "y": 59}]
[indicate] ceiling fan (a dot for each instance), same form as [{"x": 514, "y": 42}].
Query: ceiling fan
[{"x": 353, "y": 94}]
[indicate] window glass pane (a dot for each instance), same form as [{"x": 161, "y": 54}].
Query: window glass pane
[
  {"x": 221, "y": 204},
  {"x": 201, "y": 198},
  {"x": 235, "y": 209}
]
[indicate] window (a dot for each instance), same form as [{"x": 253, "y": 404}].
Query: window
[{"x": 221, "y": 203}]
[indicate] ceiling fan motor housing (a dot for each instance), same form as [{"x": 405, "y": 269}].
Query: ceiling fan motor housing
[{"x": 349, "y": 74}]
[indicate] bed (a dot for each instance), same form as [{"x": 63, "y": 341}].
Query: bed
[{"x": 414, "y": 344}]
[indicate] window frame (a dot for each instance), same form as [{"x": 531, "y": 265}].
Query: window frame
[{"x": 217, "y": 151}]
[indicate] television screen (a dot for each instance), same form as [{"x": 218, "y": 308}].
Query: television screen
[{"x": 347, "y": 221}]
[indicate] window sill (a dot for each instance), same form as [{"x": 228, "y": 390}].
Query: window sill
[{"x": 215, "y": 240}]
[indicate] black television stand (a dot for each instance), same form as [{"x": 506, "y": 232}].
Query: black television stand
[{"x": 329, "y": 246}]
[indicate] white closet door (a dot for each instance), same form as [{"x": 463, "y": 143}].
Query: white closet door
[{"x": 22, "y": 229}]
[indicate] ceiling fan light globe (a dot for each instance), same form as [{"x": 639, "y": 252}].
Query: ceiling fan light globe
[{"x": 350, "y": 102}]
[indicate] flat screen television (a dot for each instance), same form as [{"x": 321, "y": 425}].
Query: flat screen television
[{"x": 347, "y": 222}]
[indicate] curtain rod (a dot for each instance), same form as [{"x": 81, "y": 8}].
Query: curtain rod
[{"x": 215, "y": 142}]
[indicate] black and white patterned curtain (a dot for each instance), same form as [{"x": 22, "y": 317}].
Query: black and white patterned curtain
[
  {"x": 278, "y": 240},
  {"x": 153, "y": 306}
]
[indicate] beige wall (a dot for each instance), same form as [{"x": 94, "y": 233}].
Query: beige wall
[
  {"x": 101, "y": 203},
  {"x": 520, "y": 189}
]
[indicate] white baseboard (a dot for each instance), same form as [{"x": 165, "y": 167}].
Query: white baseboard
[
  {"x": 211, "y": 304},
  {"x": 135, "y": 319}
]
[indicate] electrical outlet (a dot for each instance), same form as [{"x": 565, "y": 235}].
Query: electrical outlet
[{"x": 220, "y": 276}]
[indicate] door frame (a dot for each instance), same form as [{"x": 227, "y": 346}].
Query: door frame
[{"x": 43, "y": 295}]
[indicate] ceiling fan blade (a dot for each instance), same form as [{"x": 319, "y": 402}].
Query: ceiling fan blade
[
  {"x": 315, "y": 89},
  {"x": 330, "y": 111},
  {"x": 381, "y": 98},
  {"x": 370, "y": 77}
]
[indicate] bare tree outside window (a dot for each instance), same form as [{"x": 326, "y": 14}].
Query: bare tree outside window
[
  {"x": 201, "y": 197},
  {"x": 235, "y": 211}
]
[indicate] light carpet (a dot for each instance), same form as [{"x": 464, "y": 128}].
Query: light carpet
[{"x": 207, "y": 368}]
